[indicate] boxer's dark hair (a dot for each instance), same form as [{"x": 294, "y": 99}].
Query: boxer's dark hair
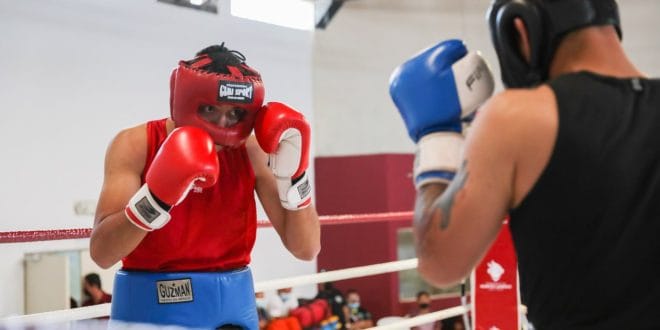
[
  {"x": 422, "y": 293},
  {"x": 93, "y": 279},
  {"x": 222, "y": 57}
]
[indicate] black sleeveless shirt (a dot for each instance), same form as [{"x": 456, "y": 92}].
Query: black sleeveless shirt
[{"x": 588, "y": 233}]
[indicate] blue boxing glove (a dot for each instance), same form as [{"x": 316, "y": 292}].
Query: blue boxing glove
[{"x": 435, "y": 91}]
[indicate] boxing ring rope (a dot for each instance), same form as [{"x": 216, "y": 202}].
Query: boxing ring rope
[
  {"x": 103, "y": 310},
  {"x": 90, "y": 312},
  {"x": 336, "y": 275},
  {"x": 425, "y": 318},
  {"x": 27, "y": 236},
  {"x": 57, "y": 317}
]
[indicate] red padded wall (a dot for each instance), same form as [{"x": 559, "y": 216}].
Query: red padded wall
[
  {"x": 361, "y": 184},
  {"x": 359, "y": 244},
  {"x": 364, "y": 184},
  {"x": 349, "y": 244}
]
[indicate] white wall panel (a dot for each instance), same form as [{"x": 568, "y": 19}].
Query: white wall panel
[{"x": 367, "y": 39}]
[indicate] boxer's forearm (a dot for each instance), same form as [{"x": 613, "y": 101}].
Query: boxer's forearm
[
  {"x": 302, "y": 233},
  {"x": 113, "y": 238},
  {"x": 434, "y": 247},
  {"x": 423, "y": 219}
]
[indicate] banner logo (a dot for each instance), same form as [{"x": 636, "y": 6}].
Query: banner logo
[{"x": 495, "y": 270}]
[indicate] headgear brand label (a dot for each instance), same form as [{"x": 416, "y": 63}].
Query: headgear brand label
[
  {"x": 232, "y": 91},
  {"x": 174, "y": 291}
]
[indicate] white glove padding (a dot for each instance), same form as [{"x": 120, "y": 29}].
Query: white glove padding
[{"x": 437, "y": 157}]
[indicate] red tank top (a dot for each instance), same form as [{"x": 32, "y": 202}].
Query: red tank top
[{"x": 212, "y": 229}]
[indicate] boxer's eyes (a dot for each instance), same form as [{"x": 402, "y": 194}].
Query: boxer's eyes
[
  {"x": 223, "y": 116},
  {"x": 206, "y": 109},
  {"x": 236, "y": 114}
]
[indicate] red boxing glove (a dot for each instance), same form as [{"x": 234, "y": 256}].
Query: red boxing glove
[
  {"x": 284, "y": 134},
  {"x": 187, "y": 158}
]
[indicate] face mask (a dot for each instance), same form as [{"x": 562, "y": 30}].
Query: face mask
[
  {"x": 354, "y": 305},
  {"x": 423, "y": 306},
  {"x": 261, "y": 302},
  {"x": 284, "y": 296}
]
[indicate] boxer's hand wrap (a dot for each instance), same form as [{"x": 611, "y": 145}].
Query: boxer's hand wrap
[
  {"x": 284, "y": 134},
  {"x": 186, "y": 158},
  {"x": 436, "y": 92}
]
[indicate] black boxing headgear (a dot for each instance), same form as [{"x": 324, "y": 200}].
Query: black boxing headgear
[{"x": 547, "y": 22}]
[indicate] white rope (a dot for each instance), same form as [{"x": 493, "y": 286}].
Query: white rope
[
  {"x": 60, "y": 316},
  {"x": 436, "y": 316},
  {"x": 426, "y": 318},
  {"x": 336, "y": 275},
  {"x": 103, "y": 310}
]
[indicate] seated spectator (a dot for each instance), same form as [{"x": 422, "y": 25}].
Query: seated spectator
[
  {"x": 264, "y": 317},
  {"x": 335, "y": 300},
  {"x": 356, "y": 316},
  {"x": 422, "y": 307},
  {"x": 93, "y": 291},
  {"x": 453, "y": 323},
  {"x": 282, "y": 303}
]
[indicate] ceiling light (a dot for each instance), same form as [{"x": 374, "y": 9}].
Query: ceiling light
[
  {"x": 295, "y": 14},
  {"x": 210, "y": 6}
]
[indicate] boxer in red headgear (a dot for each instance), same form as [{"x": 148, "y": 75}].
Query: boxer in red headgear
[
  {"x": 240, "y": 90},
  {"x": 177, "y": 204}
]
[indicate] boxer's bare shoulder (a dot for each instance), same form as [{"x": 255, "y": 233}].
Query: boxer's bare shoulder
[
  {"x": 128, "y": 148},
  {"x": 525, "y": 122}
]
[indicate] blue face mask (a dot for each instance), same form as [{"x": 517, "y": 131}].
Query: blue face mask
[
  {"x": 354, "y": 305},
  {"x": 285, "y": 296}
]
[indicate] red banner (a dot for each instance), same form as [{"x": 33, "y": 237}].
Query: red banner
[{"x": 495, "y": 295}]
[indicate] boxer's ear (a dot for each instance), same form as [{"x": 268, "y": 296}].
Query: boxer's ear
[{"x": 522, "y": 38}]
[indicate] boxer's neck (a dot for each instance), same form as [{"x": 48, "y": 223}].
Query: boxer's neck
[{"x": 596, "y": 49}]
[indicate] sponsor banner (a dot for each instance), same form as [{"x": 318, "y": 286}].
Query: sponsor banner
[{"x": 495, "y": 295}]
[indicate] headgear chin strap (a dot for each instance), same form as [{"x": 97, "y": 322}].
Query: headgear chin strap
[
  {"x": 547, "y": 21},
  {"x": 191, "y": 87}
]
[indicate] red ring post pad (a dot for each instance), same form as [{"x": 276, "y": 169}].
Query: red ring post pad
[{"x": 495, "y": 294}]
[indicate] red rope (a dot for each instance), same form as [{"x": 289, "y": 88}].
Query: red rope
[
  {"x": 60, "y": 234},
  {"x": 43, "y": 235}
]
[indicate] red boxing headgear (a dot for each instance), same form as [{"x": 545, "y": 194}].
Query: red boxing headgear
[{"x": 191, "y": 87}]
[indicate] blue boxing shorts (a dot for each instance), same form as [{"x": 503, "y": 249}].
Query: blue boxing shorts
[{"x": 204, "y": 300}]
